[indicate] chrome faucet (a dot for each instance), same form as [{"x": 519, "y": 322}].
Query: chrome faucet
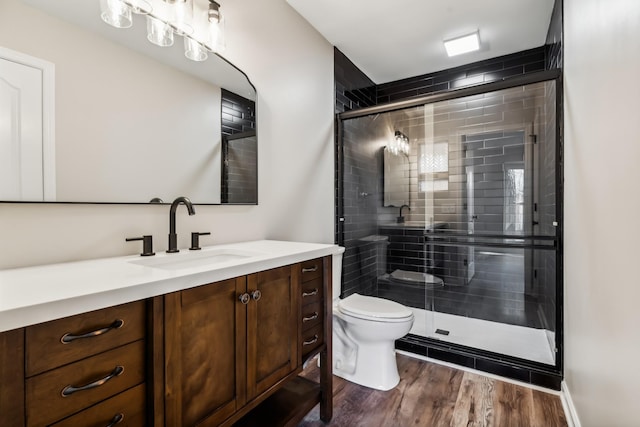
[
  {"x": 173, "y": 237},
  {"x": 400, "y": 219}
]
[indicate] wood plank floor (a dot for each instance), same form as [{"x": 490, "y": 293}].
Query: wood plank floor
[{"x": 434, "y": 395}]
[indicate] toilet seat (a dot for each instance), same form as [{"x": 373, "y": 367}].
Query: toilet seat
[
  {"x": 417, "y": 278},
  {"x": 375, "y": 309}
]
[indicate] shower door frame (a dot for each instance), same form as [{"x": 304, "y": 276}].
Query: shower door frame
[{"x": 508, "y": 362}]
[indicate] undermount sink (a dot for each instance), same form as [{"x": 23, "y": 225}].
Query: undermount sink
[{"x": 190, "y": 259}]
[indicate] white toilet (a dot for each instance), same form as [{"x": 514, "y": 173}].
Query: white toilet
[{"x": 364, "y": 333}]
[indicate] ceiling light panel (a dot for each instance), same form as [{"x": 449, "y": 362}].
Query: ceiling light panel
[{"x": 464, "y": 44}]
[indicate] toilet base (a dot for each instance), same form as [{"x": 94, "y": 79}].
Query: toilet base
[{"x": 375, "y": 366}]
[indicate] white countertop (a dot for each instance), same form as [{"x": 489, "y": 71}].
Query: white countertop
[{"x": 38, "y": 294}]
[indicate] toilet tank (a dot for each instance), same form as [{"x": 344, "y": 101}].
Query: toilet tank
[{"x": 336, "y": 273}]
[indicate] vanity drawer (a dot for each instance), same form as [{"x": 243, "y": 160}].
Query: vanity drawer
[
  {"x": 86, "y": 334},
  {"x": 311, "y": 291},
  {"x": 95, "y": 379},
  {"x": 311, "y": 339},
  {"x": 311, "y": 269},
  {"x": 128, "y": 407},
  {"x": 311, "y": 315}
]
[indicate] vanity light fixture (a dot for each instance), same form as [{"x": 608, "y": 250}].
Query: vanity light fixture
[
  {"x": 399, "y": 144},
  {"x": 199, "y": 22},
  {"x": 464, "y": 44}
]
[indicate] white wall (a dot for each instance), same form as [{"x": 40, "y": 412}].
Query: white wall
[
  {"x": 602, "y": 208},
  {"x": 292, "y": 67}
]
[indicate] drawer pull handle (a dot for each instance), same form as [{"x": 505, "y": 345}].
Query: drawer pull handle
[
  {"x": 256, "y": 295},
  {"x": 69, "y": 337},
  {"x": 117, "y": 419},
  {"x": 314, "y": 316},
  {"x": 69, "y": 390},
  {"x": 310, "y": 294},
  {"x": 310, "y": 269},
  {"x": 311, "y": 341},
  {"x": 245, "y": 298}
]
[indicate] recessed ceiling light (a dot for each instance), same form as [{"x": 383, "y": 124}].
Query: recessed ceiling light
[{"x": 464, "y": 44}]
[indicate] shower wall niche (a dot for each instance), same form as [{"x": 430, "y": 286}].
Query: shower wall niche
[{"x": 476, "y": 255}]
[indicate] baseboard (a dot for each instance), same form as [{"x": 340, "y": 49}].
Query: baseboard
[{"x": 569, "y": 409}]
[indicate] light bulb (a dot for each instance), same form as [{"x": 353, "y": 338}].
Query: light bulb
[{"x": 181, "y": 15}]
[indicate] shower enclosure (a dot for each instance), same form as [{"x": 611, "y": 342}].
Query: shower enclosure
[{"x": 476, "y": 251}]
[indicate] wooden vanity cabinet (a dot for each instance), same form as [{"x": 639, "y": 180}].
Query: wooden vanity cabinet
[{"x": 222, "y": 354}]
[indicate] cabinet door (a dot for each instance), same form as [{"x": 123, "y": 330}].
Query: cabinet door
[
  {"x": 272, "y": 328},
  {"x": 12, "y": 378},
  {"x": 205, "y": 337}
]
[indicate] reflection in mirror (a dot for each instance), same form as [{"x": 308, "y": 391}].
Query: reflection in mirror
[
  {"x": 239, "y": 170},
  {"x": 133, "y": 121},
  {"x": 396, "y": 178}
]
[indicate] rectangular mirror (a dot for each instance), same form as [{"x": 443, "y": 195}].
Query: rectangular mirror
[
  {"x": 127, "y": 121},
  {"x": 396, "y": 179}
]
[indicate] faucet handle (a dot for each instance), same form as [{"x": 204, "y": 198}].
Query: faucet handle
[
  {"x": 147, "y": 244},
  {"x": 195, "y": 240}
]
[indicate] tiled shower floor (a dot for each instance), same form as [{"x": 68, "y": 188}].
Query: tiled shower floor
[{"x": 517, "y": 341}]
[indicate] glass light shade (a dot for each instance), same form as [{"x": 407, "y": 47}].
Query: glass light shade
[
  {"x": 194, "y": 50},
  {"x": 399, "y": 144},
  {"x": 158, "y": 32},
  {"x": 116, "y": 13},
  {"x": 216, "y": 41},
  {"x": 181, "y": 16},
  {"x": 141, "y": 7}
]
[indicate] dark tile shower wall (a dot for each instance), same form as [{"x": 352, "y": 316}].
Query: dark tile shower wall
[
  {"x": 467, "y": 75},
  {"x": 361, "y": 171},
  {"x": 353, "y": 88},
  {"x": 362, "y": 196}
]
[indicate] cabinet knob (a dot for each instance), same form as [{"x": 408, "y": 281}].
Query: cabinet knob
[
  {"x": 244, "y": 298},
  {"x": 256, "y": 295}
]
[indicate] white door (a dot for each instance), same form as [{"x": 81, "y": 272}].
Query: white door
[{"x": 21, "y": 132}]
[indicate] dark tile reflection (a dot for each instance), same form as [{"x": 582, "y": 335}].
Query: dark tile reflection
[{"x": 495, "y": 293}]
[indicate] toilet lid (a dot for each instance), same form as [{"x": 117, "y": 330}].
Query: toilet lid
[{"x": 374, "y": 308}]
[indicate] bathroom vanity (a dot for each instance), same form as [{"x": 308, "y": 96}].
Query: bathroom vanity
[{"x": 214, "y": 337}]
